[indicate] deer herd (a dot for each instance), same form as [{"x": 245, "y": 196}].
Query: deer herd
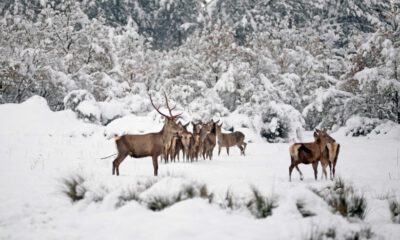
[{"x": 174, "y": 138}]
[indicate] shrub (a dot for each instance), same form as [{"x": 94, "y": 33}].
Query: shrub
[
  {"x": 394, "y": 207},
  {"x": 344, "y": 199},
  {"x": 259, "y": 206},
  {"x": 73, "y": 187},
  {"x": 316, "y": 234},
  {"x": 301, "y": 206},
  {"x": 75, "y": 97},
  {"x": 361, "y": 126},
  {"x": 363, "y": 233},
  {"x": 280, "y": 123}
]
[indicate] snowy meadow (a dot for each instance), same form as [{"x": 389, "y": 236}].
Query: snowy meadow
[{"x": 55, "y": 185}]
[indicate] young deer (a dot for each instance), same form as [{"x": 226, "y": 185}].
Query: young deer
[
  {"x": 229, "y": 140},
  {"x": 204, "y": 132},
  {"x": 197, "y": 146},
  {"x": 187, "y": 142},
  {"x": 210, "y": 140},
  {"x": 150, "y": 144},
  {"x": 329, "y": 157},
  {"x": 308, "y": 152}
]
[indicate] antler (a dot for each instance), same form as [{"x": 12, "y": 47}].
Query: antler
[
  {"x": 158, "y": 109},
  {"x": 169, "y": 109}
]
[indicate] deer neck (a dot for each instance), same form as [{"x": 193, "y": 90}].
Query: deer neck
[
  {"x": 321, "y": 144},
  {"x": 166, "y": 135}
]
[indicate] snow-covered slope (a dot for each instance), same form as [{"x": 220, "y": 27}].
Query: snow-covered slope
[{"x": 39, "y": 148}]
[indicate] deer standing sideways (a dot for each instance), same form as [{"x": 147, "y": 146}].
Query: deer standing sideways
[
  {"x": 308, "y": 152},
  {"x": 147, "y": 145},
  {"x": 229, "y": 140}
]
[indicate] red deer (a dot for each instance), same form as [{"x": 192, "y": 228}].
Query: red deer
[
  {"x": 177, "y": 144},
  {"x": 197, "y": 127},
  {"x": 210, "y": 141},
  {"x": 229, "y": 140},
  {"x": 308, "y": 152},
  {"x": 147, "y": 145},
  {"x": 195, "y": 147},
  {"x": 329, "y": 157},
  {"x": 204, "y": 132}
]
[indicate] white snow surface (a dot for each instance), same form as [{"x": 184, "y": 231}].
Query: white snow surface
[{"x": 39, "y": 148}]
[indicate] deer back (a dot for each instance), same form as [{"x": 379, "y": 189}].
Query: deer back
[{"x": 140, "y": 145}]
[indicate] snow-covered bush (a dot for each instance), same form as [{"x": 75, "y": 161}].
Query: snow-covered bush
[
  {"x": 361, "y": 126},
  {"x": 326, "y": 109},
  {"x": 394, "y": 206},
  {"x": 345, "y": 199},
  {"x": 280, "y": 123},
  {"x": 89, "y": 111},
  {"x": 75, "y": 97}
]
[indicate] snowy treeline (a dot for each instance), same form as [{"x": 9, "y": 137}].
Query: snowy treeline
[{"x": 285, "y": 65}]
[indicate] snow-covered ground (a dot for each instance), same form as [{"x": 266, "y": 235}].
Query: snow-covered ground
[{"x": 39, "y": 148}]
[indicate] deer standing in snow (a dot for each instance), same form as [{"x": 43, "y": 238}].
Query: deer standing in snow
[
  {"x": 329, "y": 157},
  {"x": 309, "y": 152},
  {"x": 229, "y": 140},
  {"x": 150, "y": 144}
]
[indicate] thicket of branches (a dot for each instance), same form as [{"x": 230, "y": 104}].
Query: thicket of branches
[{"x": 284, "y": 68}]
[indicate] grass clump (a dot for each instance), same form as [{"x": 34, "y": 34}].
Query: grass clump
[
  {"x": 260, "y": 206},
  {"x": 302, "y": 208},
  {"x": 363, "y": 233},
  {"x": 158, "y": 203},
  {"x": 344, "y": 199},
  {"x": 394, "y": 207},
  {"x": 316, "y": 234},
  {"x": 127, "y": 196},
  {"x": 73, "y": 187}
]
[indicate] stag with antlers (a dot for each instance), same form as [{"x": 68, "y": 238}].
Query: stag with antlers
[{"x": 150, "y": 144}]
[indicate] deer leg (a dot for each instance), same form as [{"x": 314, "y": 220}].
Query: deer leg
[
  {"x": 298, "y": 169},
  {"x": 155, "y": 165},
  {"x": 244, "y": 148},
  {"x": 117, "y": 162},
  {"x": 219, "y": 149},
  {"x": 290, "y": 171},
  {"x": 240, "y": 148},
  {"x": 315, "y": 167},
  {"x": 324, "y": 165},
  {"x": 227, "y": 150},
  {"x": 330, "y": 171}
]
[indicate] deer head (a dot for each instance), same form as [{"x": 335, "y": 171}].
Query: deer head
[{"x": 170, "y": 125}]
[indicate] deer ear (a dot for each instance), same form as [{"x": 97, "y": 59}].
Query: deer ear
[
  {"x": 315, "y": 134},
  {"x": 187, "y": 124}
]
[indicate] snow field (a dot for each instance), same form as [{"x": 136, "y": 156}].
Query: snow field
[{"x": 39, "y": 148}]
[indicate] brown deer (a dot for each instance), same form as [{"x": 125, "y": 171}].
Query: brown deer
[
  {"x": 147, "y": 145},
  {"x": 229, "y": 140},
  {"x": 195, "y": 147},
  {"x": 187, "y": 142},
  {"x": 210, "y": 141},
  {"x": 329, "y": 157},
  {"x": 308, "y": 152}
]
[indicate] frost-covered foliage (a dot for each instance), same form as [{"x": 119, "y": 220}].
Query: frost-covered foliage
[
  {"x": 270, "y": 60},
  {"x": 75, "y": 97},
  {"x": 280, "y": 122},
  {"x": 361, "y": 126}
]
